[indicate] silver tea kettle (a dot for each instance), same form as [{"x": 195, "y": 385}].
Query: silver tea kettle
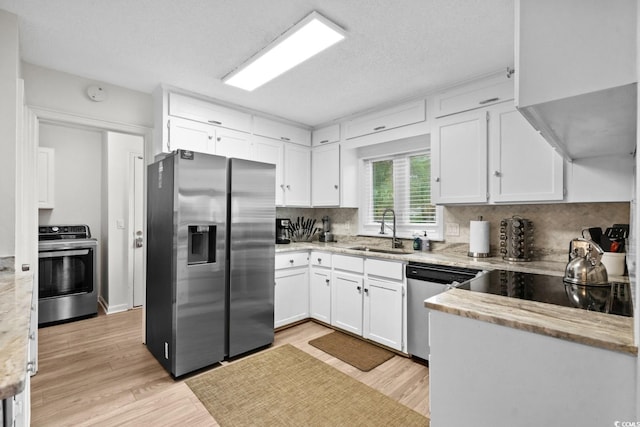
[{"x": 585, "y": 267}]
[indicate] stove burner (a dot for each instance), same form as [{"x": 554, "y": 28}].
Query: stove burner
[{"x": 613, "y": 299}]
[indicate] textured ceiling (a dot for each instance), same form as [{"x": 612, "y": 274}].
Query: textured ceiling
[{"x": 395, "y": 49}]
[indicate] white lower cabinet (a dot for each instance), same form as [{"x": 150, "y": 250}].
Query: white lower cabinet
[
  {"x": 369, "y": 300},
  {"x": 346, "y": 301},
  {"x": 383, "y": 312},
  {"x": 363, "y": 296},
  {"x": 291, "y": 297},
  {"x": 320, "y": 294}
]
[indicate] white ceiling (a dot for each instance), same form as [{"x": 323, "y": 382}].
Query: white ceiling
[{"x": 395, "y": 49}]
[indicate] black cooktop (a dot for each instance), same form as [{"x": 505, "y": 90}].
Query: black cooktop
[{"x": 612, "y": 299}]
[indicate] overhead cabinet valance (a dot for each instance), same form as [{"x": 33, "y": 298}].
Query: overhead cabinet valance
[{"x": 383, "y": 120}]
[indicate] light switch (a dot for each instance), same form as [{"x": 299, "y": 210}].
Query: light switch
[
  {"x": 453, "y": 229},
  {"x": 120, "y": 224}
]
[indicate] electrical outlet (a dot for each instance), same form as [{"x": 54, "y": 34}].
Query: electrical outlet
[{"x": 452, "y": 229}]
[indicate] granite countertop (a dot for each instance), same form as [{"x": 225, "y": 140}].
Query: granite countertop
[
  {"x": 573, "y": 324},
  {"x": 586, "y": 327},
  {"x": 15, "y": 315}
]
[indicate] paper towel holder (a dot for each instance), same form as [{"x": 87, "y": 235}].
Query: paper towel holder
[{"x": 477, "y": 254}]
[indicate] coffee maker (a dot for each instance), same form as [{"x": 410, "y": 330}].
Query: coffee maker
[{"x": 282, "y": 230}]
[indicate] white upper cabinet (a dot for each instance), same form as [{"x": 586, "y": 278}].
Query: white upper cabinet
[
  {"x": 270, "y": 151},
  {"x": 189, "y": 135},
  {"x": 325, "y": 175},
  {"x": 199, "y": 110},
  {"x": 383, "y": 120},
  {"x": 495, "y": 90},
  {"x": 523, "y": 166},
  {"x": 293, "y": 165},
  {"x": 325, "y": 135},
  {"x": 46, "y": 177},
  {"x": 231, "y": 143},
  {"x": 297, "y": 175},
  {"x": 490, "y": 154},
  {"x": 459, "y": 158},
  {"x": 281, "y": 131},
  {"x": 575, "y": 74}
]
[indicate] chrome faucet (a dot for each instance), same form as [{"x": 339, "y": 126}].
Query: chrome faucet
[{"x": 395, "y": 243}]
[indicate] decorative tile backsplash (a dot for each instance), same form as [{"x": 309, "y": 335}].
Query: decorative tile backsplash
[{"x": 554, "y": 224}]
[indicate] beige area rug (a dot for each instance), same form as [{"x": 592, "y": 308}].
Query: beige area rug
[
  {"x": 288, "y": 387},
  {"x": 351, "y": 350}
]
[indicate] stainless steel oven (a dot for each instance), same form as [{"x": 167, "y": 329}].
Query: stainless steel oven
[{"x": 67, "y": 274}]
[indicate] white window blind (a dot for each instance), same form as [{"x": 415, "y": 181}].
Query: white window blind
[{"x": 402, "y": 183}]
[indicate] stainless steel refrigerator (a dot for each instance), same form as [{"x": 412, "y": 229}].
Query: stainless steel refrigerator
[{"x": 210, "y": 259}]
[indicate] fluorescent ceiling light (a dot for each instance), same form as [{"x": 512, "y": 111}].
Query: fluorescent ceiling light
[{"x": 307, "y": 38}]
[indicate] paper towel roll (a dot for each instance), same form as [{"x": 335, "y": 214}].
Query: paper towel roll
[{"x": 479, "y": 236}]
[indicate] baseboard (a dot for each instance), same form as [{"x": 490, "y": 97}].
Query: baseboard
[{"x": 113, "y": 308}]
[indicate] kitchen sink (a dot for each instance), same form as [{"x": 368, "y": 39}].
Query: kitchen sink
[{"x": 399, "y": 251}]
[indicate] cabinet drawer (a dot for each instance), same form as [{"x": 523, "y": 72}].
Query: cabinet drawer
[
  {"x": 207, "y": 112},
  {"x": 325, "y": 135},
  {"x": 321, "y": 259},
  {"x": 381, "y": 268},
  {"x": 390, "y": 118},
  {"x": 477, "y": 95},
  {"x": 281, "y": 131},
  {"x": 292, "y": 259},
  {"x": 348, "y": 263}
]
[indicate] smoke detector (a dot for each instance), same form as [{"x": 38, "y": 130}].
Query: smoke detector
[{"x": 97, "y": 93}]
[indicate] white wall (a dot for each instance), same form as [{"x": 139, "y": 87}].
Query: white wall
[
  {"x": 9, "y": 73},
  {"x": 117, "y": 289},
  {"x": 78, "y": 154},
  {"x": 58, "y": 91}
]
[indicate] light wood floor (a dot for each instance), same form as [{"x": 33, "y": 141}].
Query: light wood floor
[{"x": 98, "y": 372}]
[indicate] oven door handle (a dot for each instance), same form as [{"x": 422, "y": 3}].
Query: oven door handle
[{"x": 54, "y": 254}]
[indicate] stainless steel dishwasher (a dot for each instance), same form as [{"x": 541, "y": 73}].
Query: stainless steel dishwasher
[{"x": 423, "y": 282}]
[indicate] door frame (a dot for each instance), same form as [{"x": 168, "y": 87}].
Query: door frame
[
  {"x": 41, "y": 115},
  {"x": 132, "y": 274}
]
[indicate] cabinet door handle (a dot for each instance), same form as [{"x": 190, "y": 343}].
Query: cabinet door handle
[
  {"x": 282, "y": 186},
  {"x": 379, "y": 128},
  {"x": 324, "y": 141},
  {"x": 359, "y": 289},
  {"x": 284, "y": 138},
  {"x": 319, "y": 260},
  {"x": 366, "y": 291},
  {"x": 327, "y": 280},
  {"x": 215, "y": 122},
  {"x": 486, "y": 101},
  {"x": 335, "y": 186},
  {"x": 291, "y": 261},
  {"x": 437, "y": 179},
  {"x": 288, "y": 187},
  {"x": 496, "y": 173}
]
